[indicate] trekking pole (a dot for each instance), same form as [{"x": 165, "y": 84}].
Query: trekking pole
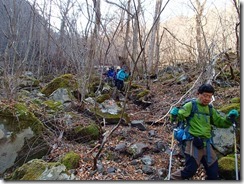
[
  {"x": 171, "y": 154},
  {"x": 232, "y": 118}
]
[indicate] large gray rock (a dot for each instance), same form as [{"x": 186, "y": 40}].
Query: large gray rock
[
  {"x": 20, "y": 136},
  {"x": 37, "y": 169},
  {"x": 9, "y": 149},
  {"x": 223, "y": 139},
  {"x": 137, "y": 149},
  {"x": 61, "y": 95},
  {"x": 110, "y": 106}
]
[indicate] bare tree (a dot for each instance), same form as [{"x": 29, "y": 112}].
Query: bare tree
[
  {"x": 199, "y": 33},
  {"x": 237, "y": 30},
  {"x": 137, "y": 10},
  {"x": 124, "y": 52},
  {"x": 93, "y": 52},
  {"x": 17, "y": 49},
  {"x": 151, "y": 50},
  {"x": 64, "y": 8}
]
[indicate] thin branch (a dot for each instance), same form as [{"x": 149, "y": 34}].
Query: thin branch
[
  {"x": 178, "y": 39},
  {"x": 179, "y": 100}
]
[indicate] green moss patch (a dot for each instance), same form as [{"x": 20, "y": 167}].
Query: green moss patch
[
  {"x": 18, "y": 117},
  {"x": 142, "y": 94},
  {"x": 32, "y": 170},
  {"x": 53, "y": 105},
  {"x": 102, "y": 98},
  {"x": 64, "y": 81},
  {"x": 29, "y": 171},
  {"x": 227, "y": 167},
  {"x": 90, "y": 132},
  {"x": 111, "y": 118},
  {"x": 71, "y": 160}
]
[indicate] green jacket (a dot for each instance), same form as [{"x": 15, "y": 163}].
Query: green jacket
[{"x": 200, "y": 125}]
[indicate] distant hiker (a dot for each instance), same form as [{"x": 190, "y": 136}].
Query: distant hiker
[
  {"x": 111, "y": 72},
  {"x": 118, "y": 69},
  {"x": 198, "y": 147},
  {"x": 120, "y": 77},
  {"x": 110, "y": 76},
  {"x": 115, "y": 76}
]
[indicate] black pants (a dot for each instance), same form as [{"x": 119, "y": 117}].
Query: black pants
[
  {"x": 119, "y": 84},
  {"x": 191, "y": 168}
]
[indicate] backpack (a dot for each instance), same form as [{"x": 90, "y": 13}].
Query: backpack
[
  {"x": 121, "y": 75},
  {"x": 181, "y": 131},
  {"x": 111, "y": 73}
]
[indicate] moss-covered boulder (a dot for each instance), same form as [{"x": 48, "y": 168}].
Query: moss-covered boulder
[
  {"x": 29, "y": 171},
  {"x": 71, "y": 160},
  {"x": 94, "y": 86},
  {"x": 109, "y": 110},
  {"x": 111, "y": 118},
  {"x": 89, "y": 132},
  {"x": 53, "y": 106},
  {"x": 28, "y": 80},
  {"x": 20, "y": 128},
  {"x": 235, "y": 100},
  {"x": 227, "y": 167},
  {"x": 234, "y": 104},
  {"x": 83, "y": 133},
  {"x": 16, "y": 117},
  {"x": 102, "y": 98},
  {"x": 135, "y": 86},
  {"x": 64, "y": 81},
  {"x": 142, "y": 94},
  {"x": 37, "y": 169}
]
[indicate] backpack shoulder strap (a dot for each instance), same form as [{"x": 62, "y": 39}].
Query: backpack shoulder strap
[
  {"x": 211, "y": 113},
  {"x": 210, "y": 109},
  {"x": 194, "y": 108}
]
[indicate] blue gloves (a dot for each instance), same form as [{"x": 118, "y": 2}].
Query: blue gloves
[
  {"x": 174, "y": 111},
  {"x": 233, "y": 113}
]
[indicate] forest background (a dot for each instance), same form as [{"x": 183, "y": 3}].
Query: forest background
[{"x": 50, "y": 37}]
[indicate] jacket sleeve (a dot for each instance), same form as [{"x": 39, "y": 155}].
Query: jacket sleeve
[
  {"x": 184, "y": 111},
  {"x": 220, "y": 121}
]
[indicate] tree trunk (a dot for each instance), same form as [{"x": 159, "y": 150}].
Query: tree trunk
[
  {"x": 151, "y": 52},
  {"x": 237, "y": 31},
  {"x": 199, "y": 33},
  {"x": 125, "y": 48},
  {"x": 135, "y": 34}
]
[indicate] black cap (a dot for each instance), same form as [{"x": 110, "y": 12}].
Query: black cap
[{"x": 208, "y": 88}]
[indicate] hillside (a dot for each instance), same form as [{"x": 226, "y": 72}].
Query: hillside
[
  {"x": 152, "y": 137},
  {"x": 162, "y": 97}
]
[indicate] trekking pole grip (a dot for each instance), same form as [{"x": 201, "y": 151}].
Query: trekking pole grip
[{"x": 233, "y": 120}]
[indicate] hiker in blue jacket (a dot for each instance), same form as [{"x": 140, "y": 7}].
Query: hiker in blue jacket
[
  {"x": 198, "y": 148},
  {"x": 111, "y": 72},
  {"x": 120, "y": 77},
  {"x": 110, "y": 76}
]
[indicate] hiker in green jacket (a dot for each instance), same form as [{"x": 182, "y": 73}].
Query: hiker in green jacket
[{"x": 198, "y": 148}]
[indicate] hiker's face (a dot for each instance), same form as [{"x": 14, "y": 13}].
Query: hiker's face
[{"x": 205, "y": 98}]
